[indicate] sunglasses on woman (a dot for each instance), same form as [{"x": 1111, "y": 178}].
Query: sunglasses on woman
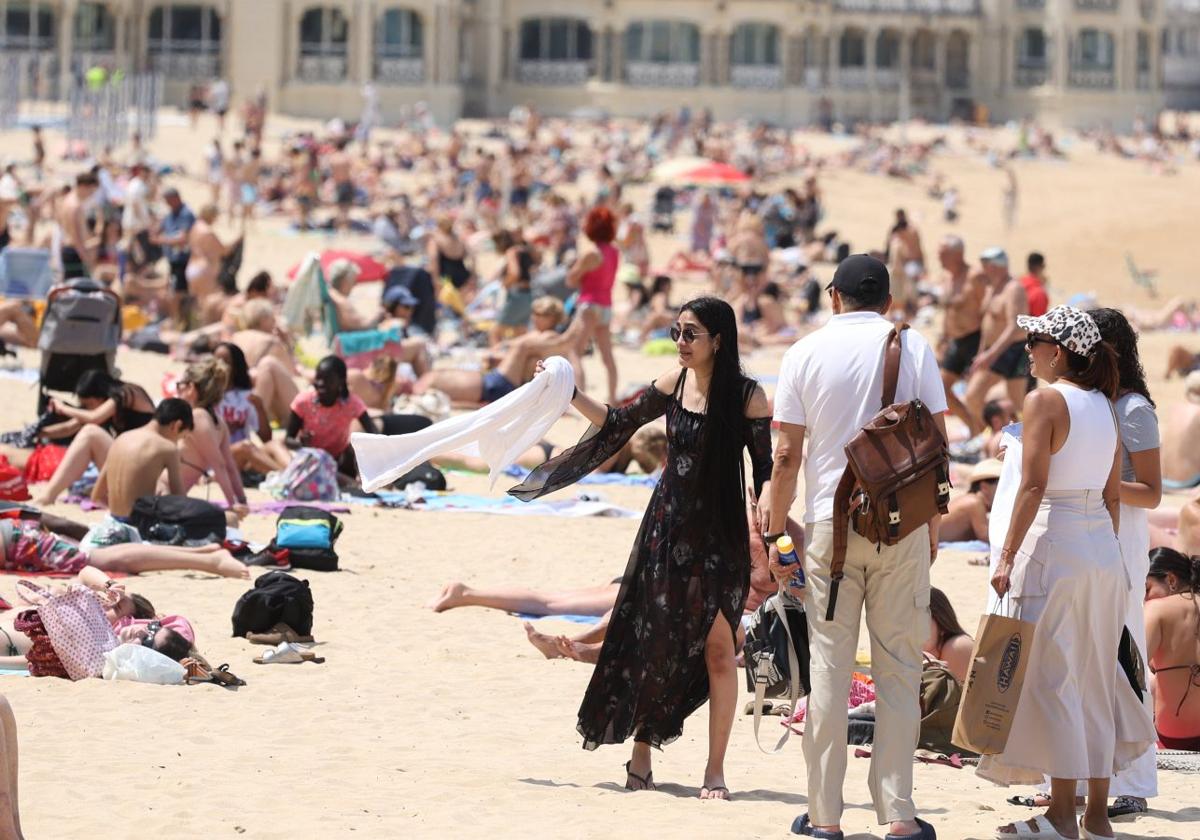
[
  {"x": 1038, "y": 339},
  {"x": 151, "y": 631},
  {"x": 687, "y": 334}
]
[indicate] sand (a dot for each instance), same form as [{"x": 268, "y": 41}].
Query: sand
[{"x": 451, "y": 725}]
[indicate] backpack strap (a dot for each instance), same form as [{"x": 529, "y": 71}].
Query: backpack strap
[
  {"x": 795, "y": 689},
  {"x": 841, "y": 529},
  {"x": 891, "y": 364}
]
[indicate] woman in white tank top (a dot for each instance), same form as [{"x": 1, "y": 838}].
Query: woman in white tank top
[{"x": 1078, "y": 717}]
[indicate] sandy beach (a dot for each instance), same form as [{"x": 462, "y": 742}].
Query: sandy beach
[{"x": 452, "y": 725}]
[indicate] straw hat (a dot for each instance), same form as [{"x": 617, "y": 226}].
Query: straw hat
[{"x": 988, "y": 470}]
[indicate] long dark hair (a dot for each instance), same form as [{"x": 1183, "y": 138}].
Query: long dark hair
[
  {"x": 1117, "y": 331},
  {"x": 1098, "y": 370},
  {"x": 99, "y": 385},
  {"x": 239, "y": 370},
  {"x": 1164, "y": 561},
  {"x": 943, "y": 615},
  {"x": 721, "y": 501}
]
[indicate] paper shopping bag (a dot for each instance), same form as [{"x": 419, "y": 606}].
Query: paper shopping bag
[{"x": 993, "y": 686}]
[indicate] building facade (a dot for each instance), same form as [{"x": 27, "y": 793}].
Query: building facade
[
  {"x": 1181, "y": 55},
  {"x": 1064, "y": 62}
]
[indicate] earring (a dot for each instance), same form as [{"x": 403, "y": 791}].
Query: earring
[{"x": 1054, "y": 364}]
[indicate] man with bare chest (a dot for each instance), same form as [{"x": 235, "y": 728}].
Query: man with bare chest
[
  {"x": 1002, "y": 355},
  {"x": 78, "y": 258},
  {"x": 139, "y": 457},
  {"x": 341, "y": 171},
  {"x": 962, "y": 294}
]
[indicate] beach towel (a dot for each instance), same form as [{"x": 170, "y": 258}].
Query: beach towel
[
  {"x": 498, "y": 433},
  {"x": 965, "y": 545},
  {"x": 581, "y": 506},
  {"x": 1002, "y": 503}
]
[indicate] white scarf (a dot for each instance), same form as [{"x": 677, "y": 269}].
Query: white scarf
[{"x": 499, "y": 432}]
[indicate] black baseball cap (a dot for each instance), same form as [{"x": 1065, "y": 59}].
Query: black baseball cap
[{"x": 863, "y": 278}]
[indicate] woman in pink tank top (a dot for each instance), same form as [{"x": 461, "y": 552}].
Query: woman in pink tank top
[{"x": 593, "y": 273}]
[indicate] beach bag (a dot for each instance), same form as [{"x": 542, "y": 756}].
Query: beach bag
[
  {"x": 311, "y": 476},
  {"x": 176, "y": 520},
  {"x": 776, "y": 656},
  {"x": 13, "y": 487},
  {"x": 940, "y": 695},
  {"x": 43, "y": 461},
  {"x": 43, "y": 661},
  {"x": 993, "y": 689},
  {"x": 75, "y": 622},
  {"x": 897, "y": 472},
  {"x": 139, "y": 663},
  {"x": 276, "y": 597},
  {"x": 426, "y": 473},
  {"x": 308, "y": 535}
]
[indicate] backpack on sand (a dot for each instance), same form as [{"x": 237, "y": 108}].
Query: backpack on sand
[
  {"x": 178, "y": 520},
  {"x": 276, "y": 597},
  {"x": 308, "y": 534},
  {"x": 777, "y": 657},
  {"x": 311, "y": 476},
  {"x": 897, "y": 472}
]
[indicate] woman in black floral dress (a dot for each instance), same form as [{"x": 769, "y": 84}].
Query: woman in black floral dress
[{"x": 671, "y": 641}]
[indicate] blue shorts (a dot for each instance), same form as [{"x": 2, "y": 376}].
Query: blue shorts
[{"x": 495, "y": 386}]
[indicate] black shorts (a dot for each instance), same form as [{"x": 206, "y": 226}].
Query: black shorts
[
  {"x": 1013, "y": 363},
  {"x": 960, "y": 352},
  {"x": 345, "y": 194},
  {"x": 179, "y": 276}
]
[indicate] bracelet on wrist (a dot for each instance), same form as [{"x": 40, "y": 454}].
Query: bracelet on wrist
[{"x": 771, "y": 539}]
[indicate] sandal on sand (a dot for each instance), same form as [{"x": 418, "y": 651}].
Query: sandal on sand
[
  {"x": 643, "y": 782},
  {"x": 278, "y": 634},
  {"x": 1123, "y": 806},
  {"x": 1041, "y": 800},
  {"x": 199, "y": 672},
  {"x": 287, "y": 653},
  {"x": 926, "y": 832},
  {"x": 725, "y": 798},
  {"x": 1038, "y": 828},
  {"x": 802, "y": 825}
]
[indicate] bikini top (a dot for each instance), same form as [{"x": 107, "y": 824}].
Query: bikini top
[{"x": 1193, "y": 676}]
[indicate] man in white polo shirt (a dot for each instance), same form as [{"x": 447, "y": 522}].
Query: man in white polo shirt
[{"x": 830, "y": 386}]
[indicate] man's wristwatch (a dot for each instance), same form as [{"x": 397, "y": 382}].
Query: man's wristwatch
[{"x": 771, "y": 539}]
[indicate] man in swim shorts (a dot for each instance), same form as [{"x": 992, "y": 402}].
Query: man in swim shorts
[
  {"x": 962, "y": 301},
  {"x": 1002, "y": 355}
]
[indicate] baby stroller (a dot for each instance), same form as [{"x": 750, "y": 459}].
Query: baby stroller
[
  {"x": 80, "y": 332},
  {"x": 663, "y": 210}
]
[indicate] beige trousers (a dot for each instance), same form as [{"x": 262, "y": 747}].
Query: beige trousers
[{"x": 894, "y": 585}]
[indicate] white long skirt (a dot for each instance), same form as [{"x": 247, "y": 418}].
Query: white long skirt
[{"x": 1078, "y": 717}]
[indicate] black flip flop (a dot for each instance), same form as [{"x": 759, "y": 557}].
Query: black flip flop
[
  {"x": 647, "y": 781},
  {"x": 1123, "y": 806},
  {"x": 926, "y": 833},
  {"x": 802, "y": 825},
  {"x": 1027, "y": 801}
]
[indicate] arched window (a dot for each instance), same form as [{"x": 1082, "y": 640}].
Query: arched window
[
  {"x": 754, "y": 45},
  {"x": 924, "y": 50},
  {"x": 852, "y": 48},
  {"x": 185, "y": 42},
  {"x": 555, "y": 39},
  {"x": 399, "y": 47},
  {"x": 399, "y": 34},
  {"x": 324, "y": 45},
  {"x": 887, "y": 49},
  {"x": 662, "y": 42},
  {"x": 95, "y": 28},
  {"x": 24, "y": 28},
  {"x": 1093, "y": 50}
]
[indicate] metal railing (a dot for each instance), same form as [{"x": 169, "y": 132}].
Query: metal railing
[
  {"x": 321, "y": 69},
  {"x": 887, "y": 78},
  {"x": 913, "y": 7},
  {"x": 400, "y": 71},
  {"x": 1082, "y": 77},
  {"x": 552, "y": 73},
  {"x": 853, "y": 78},
  {"x": 1032, "y": 75},
  {"x": 756, "y": 76},
  {"x": 654, "y": 74},
  {"x": 1096, "y": 5}
]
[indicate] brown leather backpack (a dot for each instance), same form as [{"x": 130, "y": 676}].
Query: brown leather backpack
[{"x": 897, "y": 472}]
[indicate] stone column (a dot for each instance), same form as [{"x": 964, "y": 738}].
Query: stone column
[
  {"x": 707, "y": 68},
  {"x": 450, "y": 44},
  {"x": 66, "y": 46},
  {"x": 617, "y": 56},
  {"x": 904, "y": 67},
  {"x": 363, "y": 42},
  {"x": 597, "y": 69},
  {"x": 833, "y": 54},
  {"x": 122, "y": 48},
  {"x": 870, "y": 42},
  {"x": 723, "y": 62}
]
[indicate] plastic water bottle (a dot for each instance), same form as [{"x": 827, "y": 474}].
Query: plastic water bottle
[{"x": 788, "y": 556}]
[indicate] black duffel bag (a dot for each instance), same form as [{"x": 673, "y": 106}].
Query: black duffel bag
[
  {"x": 276, "y": 598},
  {"x": 178, "y": 520}
]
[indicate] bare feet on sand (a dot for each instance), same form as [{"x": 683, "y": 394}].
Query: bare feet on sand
[
  {"x": 229, "y": 566},
  {"x": 451, "y": 596},
  {"x": 548, "y": 645}
]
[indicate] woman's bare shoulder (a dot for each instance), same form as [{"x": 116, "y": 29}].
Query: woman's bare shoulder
[{"x": 668, "y": 381}]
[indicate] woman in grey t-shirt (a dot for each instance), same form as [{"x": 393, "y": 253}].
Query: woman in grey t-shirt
[{"x": 1141, "y": 491}]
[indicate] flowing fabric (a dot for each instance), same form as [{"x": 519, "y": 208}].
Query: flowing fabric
[
  {"x": 651, "y": 674},
  {"x": 499, "y": 432}
]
